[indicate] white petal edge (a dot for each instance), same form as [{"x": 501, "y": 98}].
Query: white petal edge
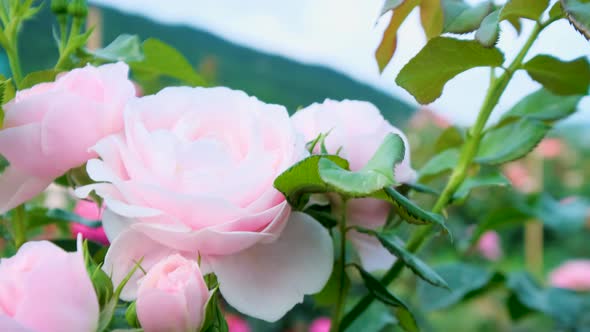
[{"x": 268, "y": 279}]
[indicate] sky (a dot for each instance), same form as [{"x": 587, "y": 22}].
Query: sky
[{"x": 343, "y": 35}]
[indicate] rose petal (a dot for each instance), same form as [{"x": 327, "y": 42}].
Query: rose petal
[
  {"x": 267, "y": 280},
  {"x": 125, "y": 251},
  {"x": 17, "y": 187},
  {"x": 371, "y": 253}
]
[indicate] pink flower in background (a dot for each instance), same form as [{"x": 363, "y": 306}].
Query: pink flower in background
[
  {"x": 236, "y": 323},
  {"x": 89, "y": 210},
  {"x": 573, "y": 274},
  {"x": 519, "y": 176},
  {"x": 46, "y": 289},
  {"x": 357, "y": 129},
  {"x": 172, "y": 296},
  {"x": 49, "y": 128},
  {"x": 550, "y": 148},
  {"x": 321, "y": 324},
  {"x": 193, "y": 173},
  {"x": 489, "y": 245}
]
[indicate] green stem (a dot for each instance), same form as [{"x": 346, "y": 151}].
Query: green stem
[
  {"x": 14, "y": 61},
  {"x": 19, "y": 227},
  {"x": 458, "y": 175},
  {"x": 68, "y": 48},
  {"x": 342, "y": 282}
]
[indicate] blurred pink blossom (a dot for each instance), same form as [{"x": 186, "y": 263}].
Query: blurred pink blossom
[
  {"x": 573, "y": 274},
  {"x": 89, "y": 210},
  {"x": 489, "y": 246},
  {"x": 236, "y": 323},
  {"x": 550, "y": 148},
  {"x": 321, "y": 324},
  {"x": 520, "y": 177}
]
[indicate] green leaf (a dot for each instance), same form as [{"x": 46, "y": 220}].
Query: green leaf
[
  {"x": 510, "y": 142},
  {"x": 431, "y": 17},
  {"x": 439, "y": 61},
  {"x": 497, "y": 219},
  {"x": 40, "y": 216},
  {"x": 556, "y": 11},
  {"x": 441, "y": 162},
  {"x": 564, "y": 218},
  {"x": 214, "y": 320},
  {"x": 531, "y": 9},
  {"x": 564, "y": 306},
  {"x": 378, "y": 317},
  {"x": 380, "y": 292},
  {"x": 107, "y": 311},
  {"x": 37, "y": 77},
  {"x": 162, "y": 59},
  {"x": 465, "y": 282},
  {"x": 411, "y": 212},
  {"x": 494, "y": 178},
  {"x": 377, "y": 174},
  {"x": 578, "y": 13},
  {"x": 9, "y": 90},
  {"x": 452, "y": 137},
  {"x": 560, "y": 77},
  {"x": 415, "y": 264},
  {"x": 489, "y": 30},
  {"x": 389, "y": 5},
  {"x": 460, "y": 17},
  {"x": 388, "y": 44},
  {"x": 125, "y": 48},
  {"x": 544, "y": 105},
  {"x": 3, "y": 85},
  {"x": 304, "y": 178}
]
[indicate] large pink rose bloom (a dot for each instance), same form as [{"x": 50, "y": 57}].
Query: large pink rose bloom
[
  {"x": 356, "y": 129},
  {"x": 193, "y": 174},
  {"x": 45, "y": 289},
  {"x": 573, "y": 274},
  {"x": 172, "y": 296},
  {"x": 49, "y": 128}
]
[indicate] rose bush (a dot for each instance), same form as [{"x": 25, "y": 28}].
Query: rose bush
[
  {"x": 46, "y": 289},
  {"x": 35, "y": 139},
  {"x": 355, "y": 129},
  {"x": 172, "y": 296},
  {"x": 193, "y": 173}
]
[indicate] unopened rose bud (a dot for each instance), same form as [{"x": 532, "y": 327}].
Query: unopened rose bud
[
  {"x": 78, "y": 8},
  {"x": 59, "y": 7}
]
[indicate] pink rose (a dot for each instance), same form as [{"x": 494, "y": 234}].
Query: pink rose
[
  {"x": 550, "y": 148},
  {"x": 172, "y": 296},
  {"x": 44, "y": 288},
  {"x": 321, "y": 324},
  {"x": 193, "y": 173},
  {"x": 49, "y": 128},
  {"x": 573, "y": 274},
  {"x": 356, "y": 129},
  {"x": 489, "y": 246},
  {"x": 236, "y": 323},
  {"x": 89, "y": 210}
]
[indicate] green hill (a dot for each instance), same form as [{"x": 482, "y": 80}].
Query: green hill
[{"x": 271, "y": 78}]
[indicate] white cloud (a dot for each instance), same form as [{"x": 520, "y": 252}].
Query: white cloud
[{"x": 343, "y": 34}]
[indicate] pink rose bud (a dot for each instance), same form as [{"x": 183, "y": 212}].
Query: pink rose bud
[
  {"x": 573, "y": 274},
  {"x": 46, "y": 289},
  {"x": 489, "y": 246},
  {"x": 550, "y": 148},
  {"x": 172, "y": 296},
  {"x": 321, "y": 324},
  {"x": 236, "y": 323},
  {"x": 89, "y": 210},
  {"x": 49, "y": 128},
  {"x": 356, "y": 129},
  {"x": 182, "y": 179}
]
